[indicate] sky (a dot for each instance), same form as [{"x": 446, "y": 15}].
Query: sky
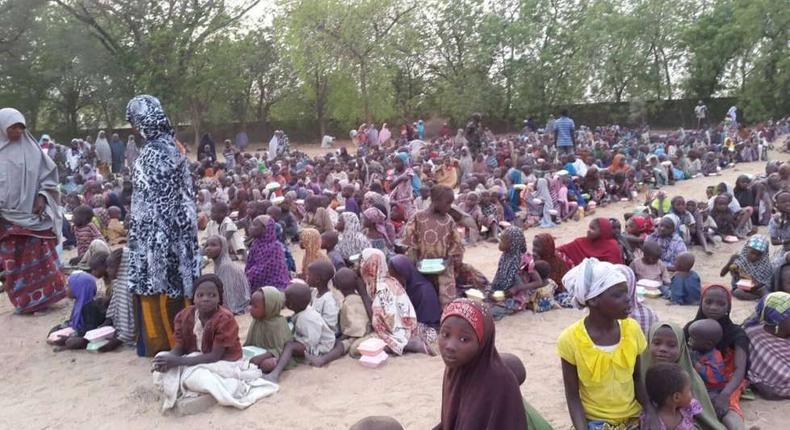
[{"x": 262, "y": 9}]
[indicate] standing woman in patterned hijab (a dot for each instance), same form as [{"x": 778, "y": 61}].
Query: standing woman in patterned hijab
[{"x": 163, "y": 248}]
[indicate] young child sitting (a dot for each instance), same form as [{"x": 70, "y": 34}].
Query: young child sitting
[
  {"x": 269, "y": 330},
  {"x": 85, "y": 231},
  {"x": 319, "y": 274},
  {"x": 541, "y": 298},
  {"x": 329, "y": 240},
  {"x": 207, "y": 335},
  {"x": 651, "y": 267},
  {"x": 206, "y": 328},
  {"x": 534, "y": 420},
  {"x": 116, "y": 233},
  {"x": 222, "y": 225},
  {"x": 701, "y": 231},
  {"x": 752, "y": 265},
  {"x": 313, "y": 338},
  {"x": 354, "y": 317},
  {"x": 704, "y": 334},
  {"x": 669, "y": 389},
  {"x": 236, "y": 287},
  {"x": 88, "y": 312},
  {"x": 686, "y": 285}
]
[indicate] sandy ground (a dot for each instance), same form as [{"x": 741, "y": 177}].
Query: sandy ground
[{"x": 42, "y": 389}]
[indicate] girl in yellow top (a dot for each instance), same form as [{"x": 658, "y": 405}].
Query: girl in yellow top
[{"x": 600, "y": 353}]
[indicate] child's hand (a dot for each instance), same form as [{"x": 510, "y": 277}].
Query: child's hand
[
  {"x": 163, "y": 362},
  {"x": 74, "y": 261}
]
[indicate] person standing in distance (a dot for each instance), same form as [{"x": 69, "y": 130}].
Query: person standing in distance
[
  {"x": 700, "y": 111},
  {"x": 565, "y": 133}
]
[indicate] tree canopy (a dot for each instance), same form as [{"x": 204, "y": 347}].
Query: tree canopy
[{"x": 329, "y": 65}]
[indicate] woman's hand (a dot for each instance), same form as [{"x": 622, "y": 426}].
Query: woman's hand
[{"x": 39, "y": 204}]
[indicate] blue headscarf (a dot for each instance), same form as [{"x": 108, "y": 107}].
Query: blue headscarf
[{"x": 83, "y": 288}]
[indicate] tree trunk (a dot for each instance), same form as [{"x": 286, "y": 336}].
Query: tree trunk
[
  {"x": 70, "y": 100},
  {"x": 259, "y": 110},
  {"x": 363, "y": 78},
  {"x": 196, "y": 123},
  {"x": 320, "y": 104}
]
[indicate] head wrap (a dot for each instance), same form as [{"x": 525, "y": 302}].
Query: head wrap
[
  {"x": 266, "y": 261},
  {"x": 473, "y": 313},
  {"x": 83, "y": 289},
  {"x": 772, "y": 309},
  {"x": 352, "y": 239},
  {"x": 483, "y": 393},
  {"x": 378, "y": 218},
  {"x": 510, "y": 260},
  {"x": 404, "y": 157},
  {"x": 590, "y": 279},
  {"x": 758, "y": 243},
  {"x": 761, "y": 271},
  {"x": 145, "y": 113},
  {"x": 643, "y": 223}
]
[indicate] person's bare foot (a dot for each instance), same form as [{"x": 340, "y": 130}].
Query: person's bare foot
[{"x": 314, "y": 361}]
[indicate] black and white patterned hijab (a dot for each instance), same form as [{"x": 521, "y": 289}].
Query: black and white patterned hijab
[{"x": 145, "y": 113}]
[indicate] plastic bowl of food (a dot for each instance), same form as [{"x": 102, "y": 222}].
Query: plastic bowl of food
[{"x": 475, "y": 294}]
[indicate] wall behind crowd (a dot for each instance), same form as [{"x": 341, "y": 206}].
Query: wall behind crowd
[{"x": 659, "y": 114}]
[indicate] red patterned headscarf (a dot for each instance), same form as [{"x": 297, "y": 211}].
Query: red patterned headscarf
[{"x": 473, "y": 313}]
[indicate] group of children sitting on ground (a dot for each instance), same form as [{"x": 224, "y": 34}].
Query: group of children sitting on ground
[{"x": 367, "y": 225}]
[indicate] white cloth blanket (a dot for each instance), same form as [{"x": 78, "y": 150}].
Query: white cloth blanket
[{"x": 231, "y": 383}]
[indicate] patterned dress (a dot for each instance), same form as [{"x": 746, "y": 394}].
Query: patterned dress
[
  {"x": 429, "y": 235},
  {"x": 163, "y": 247}
]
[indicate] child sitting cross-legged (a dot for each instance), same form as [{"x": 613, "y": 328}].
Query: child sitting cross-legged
[
  {"x": 207, "y": 357},
  {"x": 354, "y": 318},
  {"x": 669, "y": 389},
  {"x": 650, "y": 265},
  {"x": 312, "y": 336},
  {"x": 269, "y": 330},
  {"x": 218, "y": 330},
  {"x": 686, "y": 285},
  {"x": 319, "y": 274}
]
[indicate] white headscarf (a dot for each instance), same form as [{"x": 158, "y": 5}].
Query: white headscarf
[{"x": 590, "y": 279}]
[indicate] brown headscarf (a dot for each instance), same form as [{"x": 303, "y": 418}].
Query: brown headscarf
[{"x": 483, "y": 394}]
